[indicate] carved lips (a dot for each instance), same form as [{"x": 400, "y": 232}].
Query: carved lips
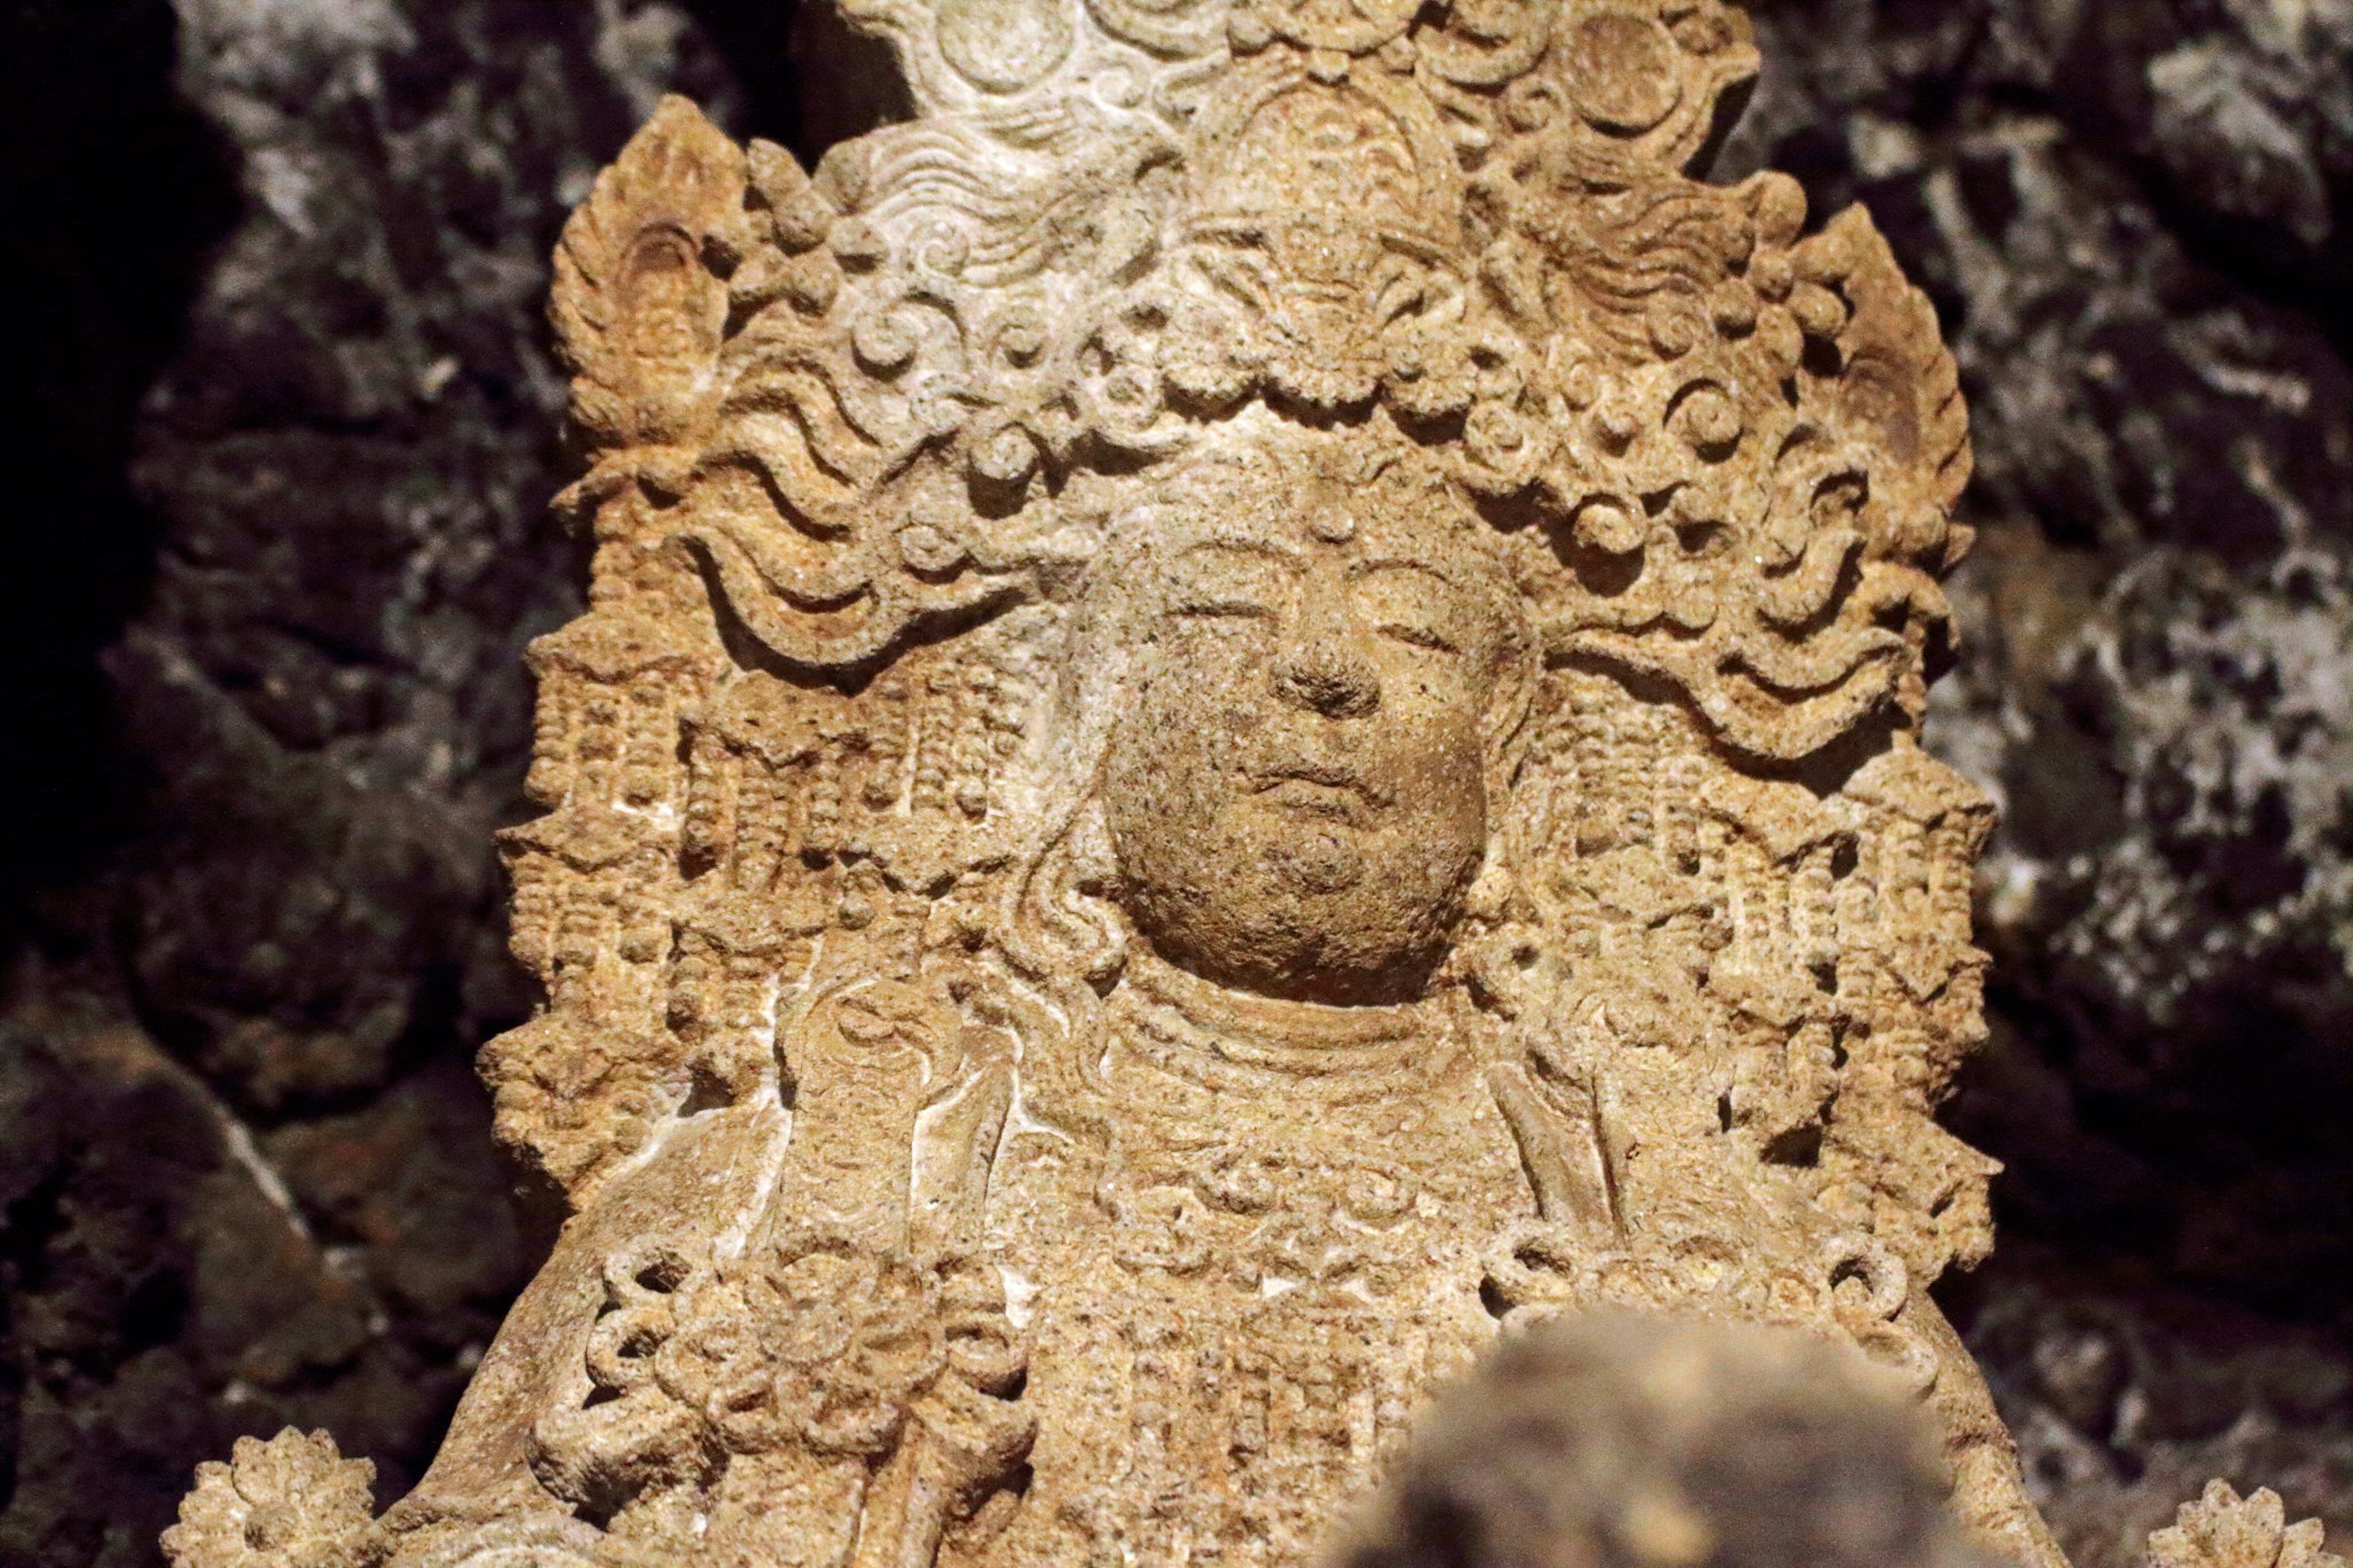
[{"x": 1329, "y": 790}]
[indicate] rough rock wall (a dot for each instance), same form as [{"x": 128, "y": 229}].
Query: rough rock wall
[
  {"x": 2125, "y": 218},
  {"x": 2126, "y": 214},
  {"x": 246, "y": 1177}
]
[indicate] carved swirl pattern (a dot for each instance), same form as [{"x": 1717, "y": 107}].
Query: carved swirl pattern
[
  {"x": 816, "y": 1356},
  {"x": 1741, "y": 444}
]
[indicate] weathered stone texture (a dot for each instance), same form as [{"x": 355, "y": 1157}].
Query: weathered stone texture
[{"x": 1247, "y": 714}]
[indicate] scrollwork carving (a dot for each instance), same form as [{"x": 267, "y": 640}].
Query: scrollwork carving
[{"x": 775, "y": 1392}]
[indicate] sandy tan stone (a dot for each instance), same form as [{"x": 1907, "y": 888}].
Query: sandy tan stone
[
  {"x": 291, "y": 1502},
  {"x": 1248, "y": 713}
]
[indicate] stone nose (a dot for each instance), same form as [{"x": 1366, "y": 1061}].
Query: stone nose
[{"x": 1326, "y": 676}]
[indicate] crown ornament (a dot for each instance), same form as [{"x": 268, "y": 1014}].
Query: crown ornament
[{"x": 1730, "y": 449}]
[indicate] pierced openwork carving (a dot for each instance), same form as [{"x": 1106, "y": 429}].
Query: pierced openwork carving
[{"x": 1249, "y": 715}]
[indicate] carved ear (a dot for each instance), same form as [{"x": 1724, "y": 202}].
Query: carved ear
[{"x": 638, "y": 310}]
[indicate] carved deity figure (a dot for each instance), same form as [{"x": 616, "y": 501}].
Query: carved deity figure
[{"x": 1249, "y": 715}]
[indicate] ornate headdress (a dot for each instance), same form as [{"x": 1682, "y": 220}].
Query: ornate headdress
[
  {"x": 857, "y": 439},
  {"x": 880, "y": 392}
]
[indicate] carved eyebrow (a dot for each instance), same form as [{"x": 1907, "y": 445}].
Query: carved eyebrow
[
  {"x": 1216, "y": 577},
  {"x": 1242, "y": 546},
  {"x": 1476, "y": 598},
  {"x": 1400, "y": 563}
]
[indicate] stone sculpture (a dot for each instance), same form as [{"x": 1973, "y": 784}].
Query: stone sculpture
[{"x": 1248, "y": 712}]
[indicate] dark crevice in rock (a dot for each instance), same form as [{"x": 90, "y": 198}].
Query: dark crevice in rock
[{"x": 112, "y": 195}]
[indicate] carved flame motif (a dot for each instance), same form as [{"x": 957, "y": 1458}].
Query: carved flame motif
[{"x": 1249, "y": 714}]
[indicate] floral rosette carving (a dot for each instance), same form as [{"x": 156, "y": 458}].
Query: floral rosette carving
[
  {"x": 2223, "y": 1529},
  {"x": 291, "y": 1502},
  {"x": 822, "y": 1347},
  {"x": 829, "y": 1345}
]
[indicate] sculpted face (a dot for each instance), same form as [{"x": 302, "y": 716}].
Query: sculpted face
[{"x": 1298, "y": 800}]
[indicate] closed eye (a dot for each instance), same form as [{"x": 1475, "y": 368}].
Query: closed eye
[
  {"x": 1411, "y": 605},
  {"x": 1417, "y": 636},
  {"x": 1209, "y": 606},
  {"x": 1220, "y": 582}
]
